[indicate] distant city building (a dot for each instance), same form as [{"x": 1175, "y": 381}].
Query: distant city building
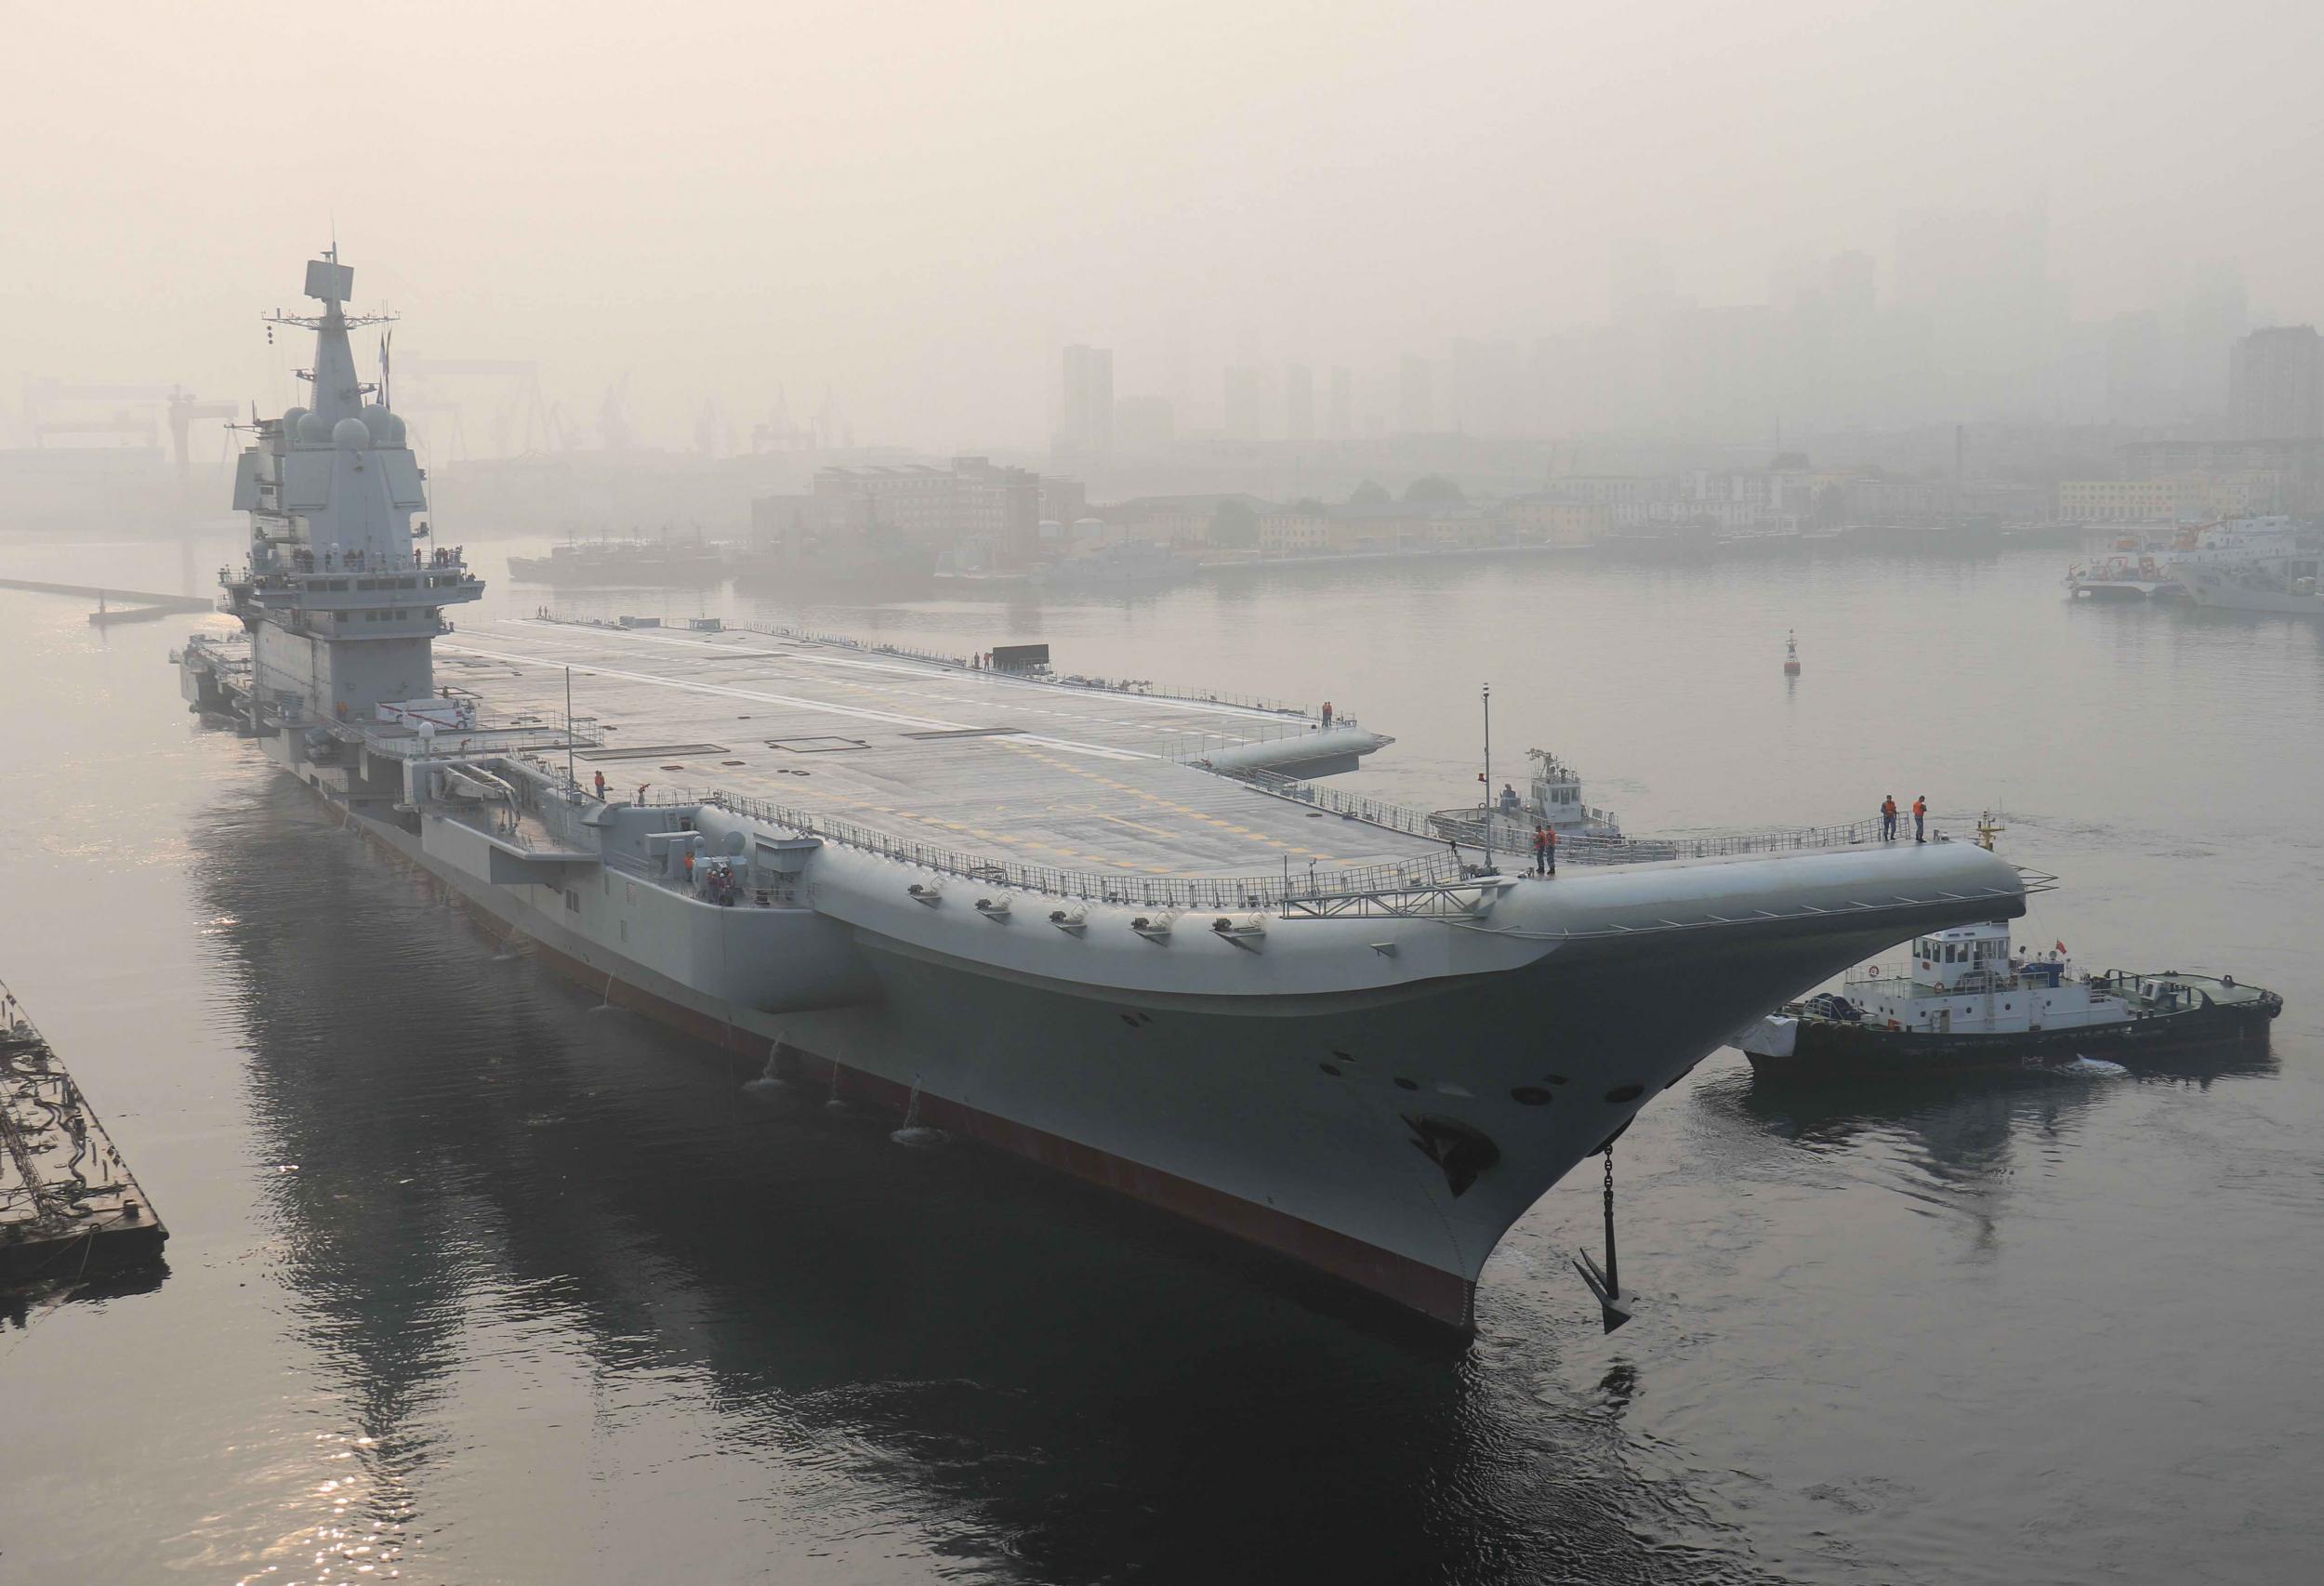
[
  {"x": 1293, "y": 533},
  {"x": 2275, "y": 385},
  {"x": 1175, "y": 520},
  {"x": 1548, "y": 519},
  {"x": 2182, "y": 497},
  {"x": 1488, "y": 390},
  {"x": 1246, "y": 403},
  {"x": 1064, "y": 500},
  {"x": 2118, "y": 501},
  {"x": 1607, "y": 489},
  {"x": 1974, "y": 290},
  {"x": 1340, "y": 424},
  {"x": 973, "y": 513},
  {"x": 2278, "y": 475},
  {"x": 1416, "y": 396},
  {"x": 1085, "y": 423},
  {"x": 1299, "y": 403},
  {"x": 2139, "y": 386},
  {"x": 1144, "y": 424}
]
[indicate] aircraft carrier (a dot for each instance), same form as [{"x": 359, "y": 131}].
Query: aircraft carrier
[{"x": 1108, "y": 928}]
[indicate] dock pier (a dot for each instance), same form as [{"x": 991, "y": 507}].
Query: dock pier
[
  {"x": 116, "y": 605},
  {"x": 68, "y": 1202}
]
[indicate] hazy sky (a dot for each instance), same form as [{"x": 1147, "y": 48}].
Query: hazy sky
[{"x": 918, "y": 204}]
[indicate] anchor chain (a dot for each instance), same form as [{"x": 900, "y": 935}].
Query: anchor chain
[
  {"x": 1613, "y": 1270},
  {"x": 1606, "y": 1282}
]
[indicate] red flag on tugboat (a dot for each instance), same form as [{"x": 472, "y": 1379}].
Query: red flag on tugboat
[{"x": 2061, "y": 946}]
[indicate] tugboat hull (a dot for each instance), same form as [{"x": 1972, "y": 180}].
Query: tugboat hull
[{"x": 1837, "y": 1049}]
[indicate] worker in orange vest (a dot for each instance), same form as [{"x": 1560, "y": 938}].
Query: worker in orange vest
[
  {"x": 1919, "y": 817},
  {"x": 1540, "y": 851},
  {"x": 1888, "y": 818}
]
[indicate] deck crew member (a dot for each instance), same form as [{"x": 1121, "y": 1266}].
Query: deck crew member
[
  {"x": 1919, "y": 817},
  {"x": 600, "y": 788},
  {"x": 1508, "y": 799},
  {"x": 1888, "y": 818},
  {"x": 1548, "y": 851},
  {"x": 689, "y": 862},
  {"x": 1326, "y": 716},
  {"x": 1540, "y": 851}
]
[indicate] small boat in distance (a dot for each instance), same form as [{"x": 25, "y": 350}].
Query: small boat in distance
[
  {"x": 2125, "y": 575},
  {"x": 1965, "y": 1000},
  {"x": 1791, "y": 654}
]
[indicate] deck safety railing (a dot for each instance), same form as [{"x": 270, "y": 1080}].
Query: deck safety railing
[
  {"x": 1572, "y": 849},
  {"x": 1419, "y": 873}
]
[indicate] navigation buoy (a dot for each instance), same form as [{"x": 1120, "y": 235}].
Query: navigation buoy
[{"x": 1791, "y": 655}]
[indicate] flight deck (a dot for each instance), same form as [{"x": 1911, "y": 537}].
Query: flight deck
[{"x": 1029, "y": 770}]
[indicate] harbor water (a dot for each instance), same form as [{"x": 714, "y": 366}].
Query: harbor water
[{"x": 471, "y": 1280}]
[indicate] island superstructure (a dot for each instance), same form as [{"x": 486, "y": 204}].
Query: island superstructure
[{"x": 1106, "y": 928}]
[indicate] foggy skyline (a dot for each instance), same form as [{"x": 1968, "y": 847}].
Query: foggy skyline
[{"x": 918, "y": 208}]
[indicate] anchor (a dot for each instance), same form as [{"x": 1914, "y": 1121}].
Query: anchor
[{"x": 1614, "y": 1307}]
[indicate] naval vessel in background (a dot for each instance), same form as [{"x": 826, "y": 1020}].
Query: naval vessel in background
[{"x": 1112, "y": 930}]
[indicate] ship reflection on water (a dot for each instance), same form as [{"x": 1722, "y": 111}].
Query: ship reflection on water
[
  {"x": 484, "y": 1188},
  {"x": 1965, "y": 1123}
]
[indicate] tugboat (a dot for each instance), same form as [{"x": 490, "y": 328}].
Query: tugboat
[
  {"x": 1967, "y": 1001},
  {"x": 1552, "y": 799},
  {"x": 1791, "y": 654}
]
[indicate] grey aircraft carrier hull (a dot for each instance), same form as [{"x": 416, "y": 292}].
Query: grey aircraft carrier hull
[
  {"x": 1061, "y": 915},
  {"x": 1388, "y": 1138}
]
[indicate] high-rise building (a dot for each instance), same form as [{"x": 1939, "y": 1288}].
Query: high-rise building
[
  {"x": 1085, "y": 422},
  {"x": 2276, "y": 384},
  {"x": 1299, "y": 401},
  {"x": 1416, "y": 396},
  {"x": 1976, "y": 289},
  {"x": 2212, "y": 316},
  {"x": 1245, "y": 400},
  {"x": 2139, "y": 384},
  {"x": 1144, "y": 424}
]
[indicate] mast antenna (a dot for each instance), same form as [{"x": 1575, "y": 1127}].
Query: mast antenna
[{"x": 1489, "y": 778}]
